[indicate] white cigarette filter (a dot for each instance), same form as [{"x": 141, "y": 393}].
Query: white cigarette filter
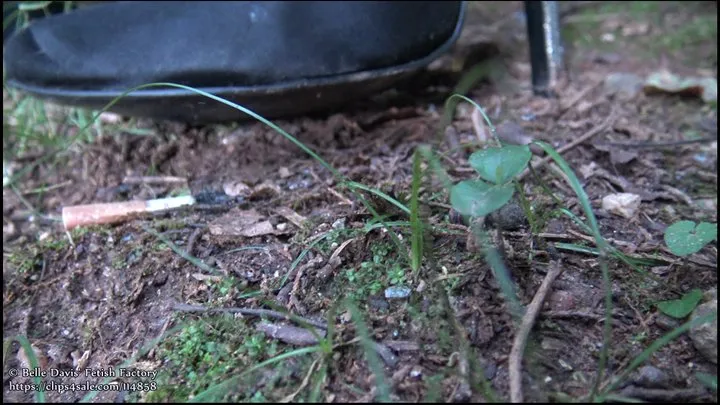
[{"x": 111, "y": 213}]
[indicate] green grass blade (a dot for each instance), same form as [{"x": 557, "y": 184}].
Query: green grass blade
[
  {"x": 142, "y": 352},
  {"x": 604, "y": 249},
  {"x": 416, "y": 222},
  {"x": 500, "y": 272},
  {"x": 707, "y": 380},
  {"x": 360, "y": 186},
  {"x": 181, "y": 252},
  {"x": 213, "y": 393},
  {"x": 383, "y": 391},
  {"x": 448, "y": 105},
  {"x": 436, "y": 167},
  {"x": 302, "y": 254},
  {"x": 34, "y": 364},
  {"x": 655, "y": 346}
]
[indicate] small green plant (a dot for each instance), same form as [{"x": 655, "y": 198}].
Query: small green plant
[
  {"x": 684, "y": 238},
  {"x": 207, "y": 350},
  {"x": 383, "y": 269},
  {"x": 24, "y": 261},
  {"x": 682, "y": 307},
  {"x": 496, "y": 167},
  {"x": 396, "y": 275}
]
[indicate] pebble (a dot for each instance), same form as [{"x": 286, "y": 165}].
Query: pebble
[
  {"x": 627, "y": 84},
  {"x": 704, "y": 336},
  {"x": 489, "y": 370},
  {"x": 397, "y": 292},
  {"x": 509, "y": 218},
  {"x": 236, "y": 188},
  {"x": 665, "y": 322},
  {"x": 339, "y": 224},
  {"x": 650, "y": 377},
  {"x": 562, "y": 301},
  {"x": 378, "y": 303}
]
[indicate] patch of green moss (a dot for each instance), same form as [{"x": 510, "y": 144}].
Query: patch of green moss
[{"x": 208, "y": 351}]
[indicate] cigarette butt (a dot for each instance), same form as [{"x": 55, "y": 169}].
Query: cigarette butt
[{"x": 111, "y": 213}]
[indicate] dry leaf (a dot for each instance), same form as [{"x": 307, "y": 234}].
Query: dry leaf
[
  {"x": 292, "y": 216},
  {"x": 247, "y": 223},
  {"x": 666, "y": 82}
]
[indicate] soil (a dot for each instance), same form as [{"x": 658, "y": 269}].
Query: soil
[{"x": 97, "y": 297}]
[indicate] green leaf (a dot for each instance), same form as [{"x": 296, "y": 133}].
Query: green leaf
[
  {"x": 707, "y": 380},
  {"x": 500, "y": 165},
  {"x": 684, "y": 238},
  {"x": 682, "y": 307},
  {"x": 477, "y": 198},
  {"x": 33, "y": 5}
]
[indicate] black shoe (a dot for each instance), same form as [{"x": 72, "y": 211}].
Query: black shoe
[{"x": 275, "y": 58}]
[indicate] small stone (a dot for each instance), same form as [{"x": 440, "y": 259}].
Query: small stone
[
  {"x": 397, "y": 292},
  {"x": 236, "y": 188},
  {"x": 463, "y": 392},
  {"x": 565, "y": 365},
  {"x": 339, "y": 224},
  {"x": 708, "y": 204},
  {"x": 489, "y": 370},
  {"x": 665, "y": 322},
  {"x": 626, "y": 84},
  {"x": 607, "y": 37},
  {"x": 284, "y": 172},
  {"x": 508, "y": 218},
  {"x": 378, "y": 304},
  {"x": 110, "y": 118},
  {"x": 704, "y": 336},
  {"x": 265, "y": 191},
  {"x": 622, "y": 204},
  {"x": 561, "y": 301},
  {"x": 650, "y": 377}
]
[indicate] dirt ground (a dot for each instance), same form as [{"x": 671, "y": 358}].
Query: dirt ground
[{"x": 98, "y": 297}]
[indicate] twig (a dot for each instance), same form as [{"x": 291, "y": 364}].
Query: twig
[
  {"x": 191, "y": 241},
  {"x": 154, "y": 180},
  {"x": 296, "y": 287},
  {"x": 304, "y": 383},
  {"x": 579, "y": 96},
  {"x": 248, "y": 312},
  {"x": 573, "y": 314},
  {"x": 463, "y": 389},
  {"x": 586, "y": 136},
  {"x": 182, "y": 253},
  {"x": 151, "y": 353},
  {"x": 516, "y": 353},
  {"x": 340, "y": 197},
  {"x": 661, "y": 395},
  {"x": 39, "y": 190}
]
